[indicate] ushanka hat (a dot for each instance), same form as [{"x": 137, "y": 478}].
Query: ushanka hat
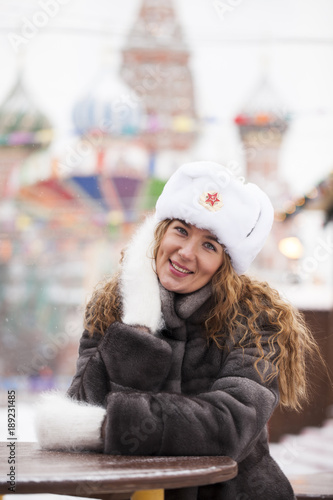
[{"x": 210, "y": 196}]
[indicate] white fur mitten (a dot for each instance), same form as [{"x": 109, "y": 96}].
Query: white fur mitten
[{"x": 63, "y": 423}]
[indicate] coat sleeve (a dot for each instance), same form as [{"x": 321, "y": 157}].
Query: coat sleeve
[
  {"x": 223, "y": 421},
  {"x": 124, "y": 359}
]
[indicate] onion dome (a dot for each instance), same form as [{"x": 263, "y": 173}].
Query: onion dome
[
  {"x": 21, "y": 123},
  {"x": 110, "y": 108},
  {"x": 263, "y": 110}
]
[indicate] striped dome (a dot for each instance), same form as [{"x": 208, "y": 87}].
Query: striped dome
[{"x": 110, "y": 107}]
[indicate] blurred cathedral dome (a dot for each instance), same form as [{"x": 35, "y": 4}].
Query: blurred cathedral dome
[
  {"x": 110, "y": 107},
  {"x": 21, "y": 122}
]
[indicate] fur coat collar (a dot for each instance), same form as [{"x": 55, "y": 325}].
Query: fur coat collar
[{"x": 177, "y": 308}]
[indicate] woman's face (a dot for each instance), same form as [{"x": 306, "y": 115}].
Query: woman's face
[{"x": 187, "y": 258}]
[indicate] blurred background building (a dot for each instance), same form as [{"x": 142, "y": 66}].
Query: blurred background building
[{"x": 128, "y": 93}]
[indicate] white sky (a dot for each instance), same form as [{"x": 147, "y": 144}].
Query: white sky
[{"x": 293, "y": 37}]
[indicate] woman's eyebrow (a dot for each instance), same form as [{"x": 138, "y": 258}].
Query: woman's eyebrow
[
  {"x": 211, "y": 237},
  {"x": 208, "y": 236},
  {"x": 185, "y": 223}
]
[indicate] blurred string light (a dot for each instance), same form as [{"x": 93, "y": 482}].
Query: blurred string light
[
  {"x": 199, "y": 38},
  {"x": 313, "y": 197},
  {"x": 291, "y": 248},
  {"x": 113, "y": 31}
]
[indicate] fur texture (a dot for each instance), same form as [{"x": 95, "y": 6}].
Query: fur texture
[
  {"x": 65, "y": 424},
  {"x": 139, "y": 283}
]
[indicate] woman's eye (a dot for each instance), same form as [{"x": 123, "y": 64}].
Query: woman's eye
[
  {"x": 181, "y": 230},
  {"x": 210, "y": 246}
]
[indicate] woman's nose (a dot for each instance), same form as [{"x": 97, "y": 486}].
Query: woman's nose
[{"x": 187, "y": 251}]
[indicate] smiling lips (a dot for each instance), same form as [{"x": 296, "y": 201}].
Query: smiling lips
[{"x": 183, "y": 270}]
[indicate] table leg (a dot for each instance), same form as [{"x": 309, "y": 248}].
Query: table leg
[{"x": 148, "y": 495}]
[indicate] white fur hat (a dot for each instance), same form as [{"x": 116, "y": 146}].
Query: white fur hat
[{"x": 211, "y": 197}]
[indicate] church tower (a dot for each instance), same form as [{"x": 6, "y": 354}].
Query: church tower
[
  {"x": 156, "y": 67},
  {"x": 262, "y": 124}
]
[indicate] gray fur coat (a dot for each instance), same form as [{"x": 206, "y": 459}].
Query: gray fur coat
[{"x": 175, "y": 393}]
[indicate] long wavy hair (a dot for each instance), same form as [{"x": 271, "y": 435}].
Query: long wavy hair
[{"x": 240, "y": 304}]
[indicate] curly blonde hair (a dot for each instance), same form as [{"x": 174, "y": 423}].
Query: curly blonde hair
[{"x": 241, "y": 304}]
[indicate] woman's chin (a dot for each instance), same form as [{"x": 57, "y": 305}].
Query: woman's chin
[
  {"x": 177, "y": 286},
  {"x": 172, "y": 285}
]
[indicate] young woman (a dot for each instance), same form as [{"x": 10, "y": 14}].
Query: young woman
[{"x": 184, "y": 354}]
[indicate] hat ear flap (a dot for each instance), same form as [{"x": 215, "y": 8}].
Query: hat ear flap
[
  {"x": 249, "y": 247},
  {"x": 139, "y": 286}
]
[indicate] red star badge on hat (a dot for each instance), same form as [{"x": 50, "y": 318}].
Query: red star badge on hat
[{"x": 212, "y": 199}]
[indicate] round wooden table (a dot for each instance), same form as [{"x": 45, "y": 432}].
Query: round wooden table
[{"x": 106, "y": 476}]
